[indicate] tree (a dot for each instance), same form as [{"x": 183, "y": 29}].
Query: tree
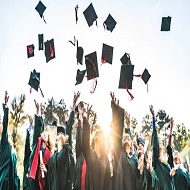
[
  {"x": 52, "y": 106},
  {"x": 17, "y": 119},
  {"x": 147, "y": 125}
]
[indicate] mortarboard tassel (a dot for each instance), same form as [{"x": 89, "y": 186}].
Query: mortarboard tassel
[
  {"x": 73, "y": 42},
  {"x": 94, "y": 19},
  {"x": 104, "y": 59},
  {"x": 105, "y": 27},
  {"x": 76, "y": 13},
  {"x": 44, "y": 19},
  {"x": 41, "y": 92},
  {"x": 131, "y": 96},
  {"x": 147, "y": 87},
  {"x": 94, "y": 84},
  {"x": 51, "y": 51},
  {"x": 30, "y": 90}
]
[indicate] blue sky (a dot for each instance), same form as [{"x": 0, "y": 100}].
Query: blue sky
[{"x": 164, "y": 54}]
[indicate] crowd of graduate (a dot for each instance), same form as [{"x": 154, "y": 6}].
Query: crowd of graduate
[{"x": 95, "y": 162}]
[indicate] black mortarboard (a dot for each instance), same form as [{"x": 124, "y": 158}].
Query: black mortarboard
[
  {"x": 126, "y": 76},
  {"x": 49, "y": 50},
  {"x": 60, "y": 130},
  {"x": 91, "y": 66},
  {"x": 80, "y": 76},
  {"x": 41, "y": 41},
  {"x": 34, "y": 81},
  {"x": 166, "y": 22},
  {"x": 140, "y": 140},
  {"x": 80, "y": 53},
  {"x": 40, "y": 8},
  {"x": 107, "y": 54},
  {"x": 30, "y": 50},
  {"x": 110, "y": 23},
  {"x": 126, "y": 59},
  {"x": 90, "y": 15},
  {"x": 145, "y": 76}
]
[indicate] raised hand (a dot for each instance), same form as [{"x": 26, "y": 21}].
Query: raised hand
[
  {"x": 76, "y": 96},
  {"x": 171, "y": 125},
  {"x": 37, "y": 108},
  {"x": 56, "y": 117},
  {"x": 113, "y": 98},
  {"x": 89, "y": 109},
  {"x": 6, "y": 98},
  {"x": 127, "y": 119},
  {"x": 30, "y": 119},
  {"x": 151, "y": 110}
]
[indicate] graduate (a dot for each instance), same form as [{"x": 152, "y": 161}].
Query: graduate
[
  {"x": 97, "y": 163},
  {"x": 129, "y": 173},
  {"x": 9, "y": 179},
  {"x": 179, "y": 173},
  {"x": 41, "y": 153},
  {"x": 61, "y": 169},
  {"x": 162, "y": 169},
  {"x": 27, "y": 152},
  {"x": 80, "y": 176}
]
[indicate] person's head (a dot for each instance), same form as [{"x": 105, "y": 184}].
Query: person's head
[
  {"x": 176, "y": 156},
  {"x": 98, "y": 139},
  {"x": 127, "y": 140},
  {"x": 46, "y": 139},
  {"x": 141, "y": 147},
  {"x": 61, "y": 140}
]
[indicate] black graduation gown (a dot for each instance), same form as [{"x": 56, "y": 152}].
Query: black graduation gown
[
  {"x": 181, "y": 178},
  {"x": 162, "y": 170},
  {"x": 61, "y": 170},
  {"x": 79, "y": 159},
  {"x": 38, "y": 129},
  {"x": 126, "y": 175},
  {"x": 98, "y": 169},
  {"x": 9, "y": 179},
  {"x": 27, "y": 153}
]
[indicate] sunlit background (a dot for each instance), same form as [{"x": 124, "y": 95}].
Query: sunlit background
[{"x": 164, "y": 54}]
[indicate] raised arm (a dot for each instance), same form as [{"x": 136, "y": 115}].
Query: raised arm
[
  {"x": 71, "y": 120},
  {"x": 4, "y": 138},
  {"x": 155, "y": 143},
  {"x": 86, "y": 136},
  {"x": 128, "y": 123},
  {"x": 169, "y": 147},
  {"x": 37, "y": 125},
  {"x": 79, "y": 132},
  {"x": 118, "y": 124}
]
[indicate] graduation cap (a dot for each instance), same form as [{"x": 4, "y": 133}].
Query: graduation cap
[
  {"x": 49, "y": 50},
  {"x": 126, "y": 78},
  {"x": 126, "y": 59},
  {"x": 76, "y": 13},
  {"x": 80, "y": 53},
  {"x": 40, "y": 8},
  {"x": 80, "y": 76},
  {"x": 92, "y": 69},
  {"x": 34, "y": 81},
  {"x": 41, "y": 41},
  {"x": 166, "y": 22},
  {"x": 61, "y": 130},
  {"x": 140, "y": 140},
  {"x": 107, "y": 54},
  {"x": 90, "y": 15},
  {"x": 109, "y": 23},
  {"x": 30, "y": 50},
  {"x": 145, "y": 77}
]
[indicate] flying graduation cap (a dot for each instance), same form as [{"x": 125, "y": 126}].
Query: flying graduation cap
[
  {"x": 49, "y": 50},
  {"x": 126, "y": 59},
  {"x": 41, "y": 41},
  {"x": 92, "y": 69},
  {"x": 166, "y": 23},
  {"x": 34, "y": 81},
  {"x": 90, "y": 15},
  {"x": 30, "y": 50},
  {"x": 40, "y": 8},
  {"x": 80, "y": 76},
  {"x": 109, "y": 23},
  {"x": 107, "y": 54},
  {"x": 126, "y": 78},
  {"x": 79, "y": 54},
  {"x": 145, "y": 77}
]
